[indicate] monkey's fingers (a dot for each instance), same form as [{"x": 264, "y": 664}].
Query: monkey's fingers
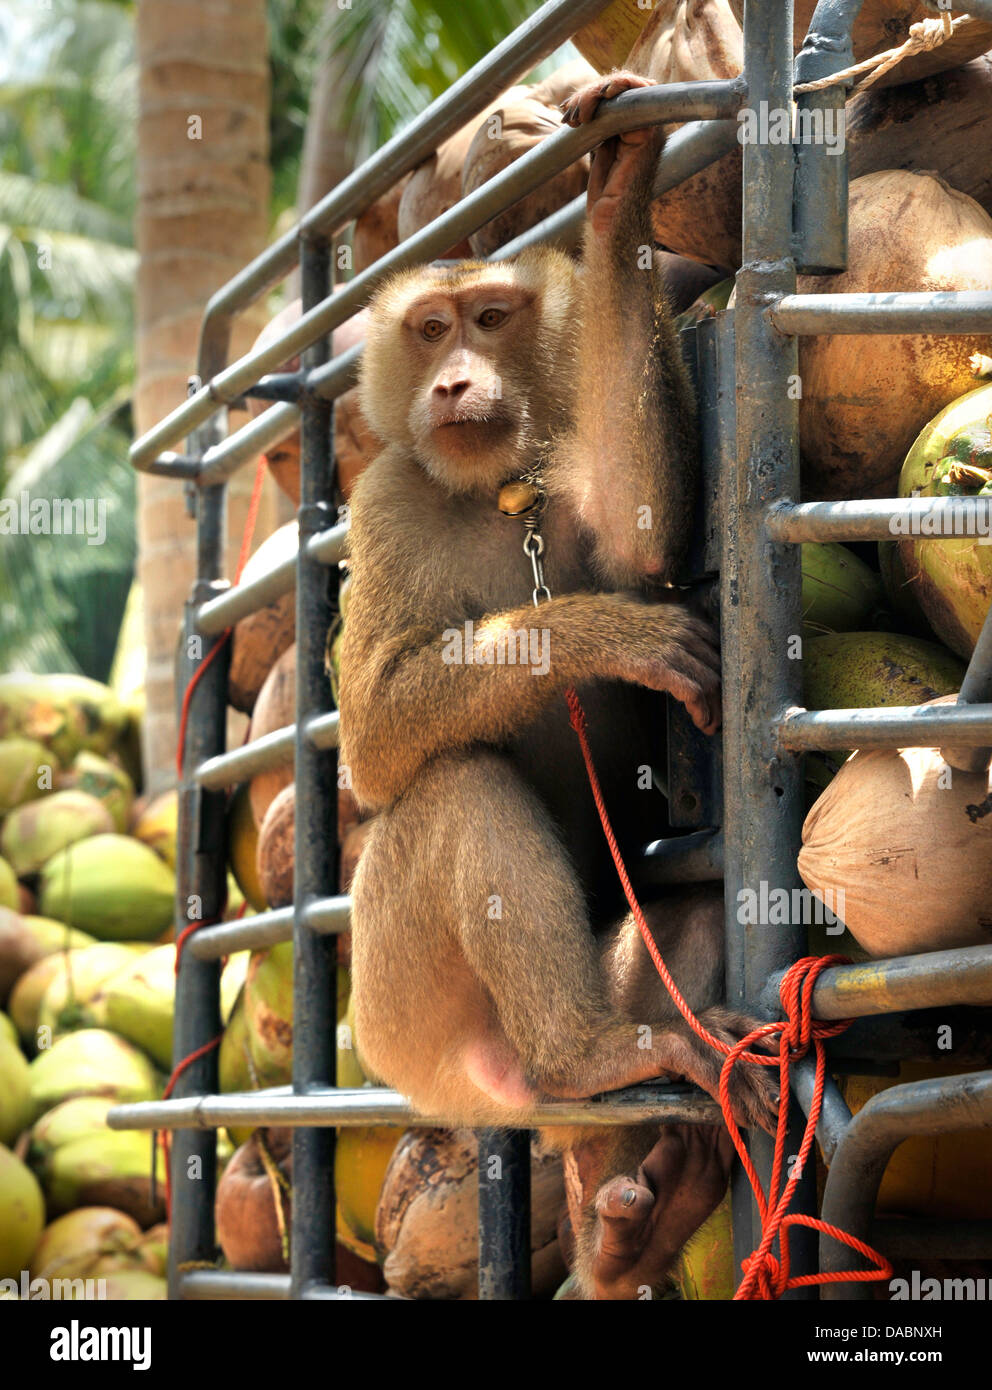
[{"x": 582, "y": 105}]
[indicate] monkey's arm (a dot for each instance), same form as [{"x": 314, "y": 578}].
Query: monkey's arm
[
  {"x": 630, "y": 465},
  {"x": 409, "y": 692}
]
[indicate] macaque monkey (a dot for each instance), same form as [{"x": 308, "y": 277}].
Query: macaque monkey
[{"x": 488, "y": 969}]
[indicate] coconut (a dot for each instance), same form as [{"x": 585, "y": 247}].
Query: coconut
[
  {"x": 10, "y": 899},
  {"x": 27, "y": 940},
  {"x": 245, "y": 1209},
  {"x": 235, "y": 1069},
  {"x": 269, "y": 1013},
  {"x": 16, "y": 1110},
  {"x": 91, "y": 1062},
  {"x": 705, "y": 1265},
  {"x": 70, "y": 999},
  {"x": 506, "y": 134},
  {"x": 899, "y": 593},
  {"x": 137, "y": 1001},
  {"x": 135, "y": 1286},
  {"x": 606, "y": 40},
  {"x": 435, "y": 186},
  {"x": 376, "y": 232},
  {"x": 242, "y": 847},
  {"x": 901, "y": 849},
  {"x": 865, "y": 397},
  {"x": 274, "y": 709},
  {"x": 427, "y": 1217},
  {"x": 157, "y": 826},
  {"x": 72, "y": 1245},
  {"x": 840, "y": 592},
  {"x": 33, "y": 833},
  {"x": 8, "y": 1033},
  {"x": 26, "y": 996},
  {"x": 951, "y": 578},
  {"x": 64, "y": 712},
  {"x": 81, "y": 1162},
  {"x": 22, "y": 1214},
  {"x": 261, "y": 638},
  {"x": 361, "y": 1158},
  {"x": 853, "y": 670},
  {"x": 25, "y": 771},
  {"x": 275, "y": 849},
  {"x": 105, "y": 780},
  {"x": 153, "y": 1248},
  {"x": 110, "y": 885},
  {"x": 564, "y": 82}
]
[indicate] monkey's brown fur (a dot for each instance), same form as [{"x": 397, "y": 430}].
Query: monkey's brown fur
[{"x": 479, "y": 984}]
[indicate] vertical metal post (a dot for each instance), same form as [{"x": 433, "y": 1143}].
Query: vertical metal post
[
  {"x": 201, "y": 887},
  {"x": 316, "y": 848},
  {"x": 761, "y": 579},
  {"x": 504, "y": 1214}
]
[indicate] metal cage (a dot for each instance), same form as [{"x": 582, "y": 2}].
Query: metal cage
[{"x": 746, "y": 831}]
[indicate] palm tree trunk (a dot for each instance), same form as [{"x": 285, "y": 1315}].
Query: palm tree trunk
[{"x": 203, "y": 211}]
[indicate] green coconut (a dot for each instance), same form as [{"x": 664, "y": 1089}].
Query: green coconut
[
  {"x": 137, "y": 1002},
  {"x": 22, "y": 1214},
  {"x": 72, "y": 1245},
  {"x": 70, "y": 999},
  {"x": 66, "y": 713},
  {"x": 105, "y": 780},
  {"x": 840, "y": 592},
  {"x": 907, "y": 614},
  {"x": 16, "y": 1109},
  {"x": 235, "y": 1069},
  {"x": 135, "y": 1286},
  {"x": 269, "y": 1012},
  {"x": 10, "y": 898},
  {"x": 26, "y": 940},
  {"x": 8, "y": 1033},
  {"x": 951, "y": 578},
  {"x": 26, "y": 771},
  {"x": 81, "y": 1162},
  {"x": 706, "y": 305},
  {"x": 110, "y": 885},
  {"x": 33, "y": 833},
  {"x": 705, "y": 1266},
  {"x": 232, "y": 978},
  {"x": 25, "y": 999},
  {"x": 91, "y": 1062}
]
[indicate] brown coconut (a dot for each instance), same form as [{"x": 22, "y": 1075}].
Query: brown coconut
[
  {"x": 376, "y": 231},
  {"x": 275, "y": 708},
  {"x": 865, "y": 397},
  {"x": 261, "y": 638},
  {"x": 606, "y": 40},
  {"x": 245, "y": 1207},
  {"x": 274, "y": 858},
  {"x": 506, "y": 134},
  {"x": 563, "y": 82},
  {"x": 435, "y": 186},
  {"x": 907, "y": 841},
  {"x": 427, "y": 1219},
  {"x": 884, "y": 24}
]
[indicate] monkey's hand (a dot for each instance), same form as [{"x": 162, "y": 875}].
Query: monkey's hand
[
  {"x": 619, "y": 159},
  {"x": 667, "y": 648}
]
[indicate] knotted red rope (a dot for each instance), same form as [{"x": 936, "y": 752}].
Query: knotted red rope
[{"x": 765, "y": 1276}]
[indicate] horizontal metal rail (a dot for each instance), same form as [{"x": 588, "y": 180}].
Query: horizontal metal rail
[
  {"x": 899, "y": 726},
  {"x": 947, "y": 311},
  {"x": 216, "y": 1284},
  {"x": 268, "y": 751},
  {"x": 926, "y": 981},
  {"x": 378, "y": 1106},
  {"x": 329, "y": 915},
  {"x": 237, "y": 602},
  {"x": 884, "y": 519},
  {"x": 631, "y": 111},
  {"x": 943, "y": 1105}
]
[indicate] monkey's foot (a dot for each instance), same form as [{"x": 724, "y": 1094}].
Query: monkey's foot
[
  {"x": 754, "y": 1089},
  {"x": 643, "y": 1222},
  {"x": 618, "y": 159}
]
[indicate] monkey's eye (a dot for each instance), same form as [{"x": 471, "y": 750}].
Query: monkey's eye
[
  {"x": 491, "y": 318},
  {"x": 434, "y": 329}
]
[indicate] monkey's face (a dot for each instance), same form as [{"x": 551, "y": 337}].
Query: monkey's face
[{"x": 466, "y": 368}]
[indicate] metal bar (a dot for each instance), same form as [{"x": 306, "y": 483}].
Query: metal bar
[
  {"x": 211, "y": 1284},
  {"x": 820, "y": 206},
  {"x": 939, "y": 1106},
  {"x": 316, "y": 842},
  {"x": 277, "y": 386},
  {"x": 271, "y": 427},
  {"x": 630, "y": 111},
  {"x": 976, "y": 689},
  {"x": 761, "y": 580},
  {"x": 938, "y": 311},
  {"x": 899, "y": 726},
  {"x": 326, "y": 546},
  {"x": 693, "y": 858},
  {"x": 373, "y": 1106},
  {"x": 834, "y": 1113},
  {"x": 228, "y": 769},
  {"x": 881, "y": 520},
  {"x": 928, "y": 981},
  {"x": 504, "y": 1214},
  {"x": 327, "y": 915},
  {"x": 553, "y": 24},
  {"x": 201, "y": 858},
  {"x": 322, "y": 730}
]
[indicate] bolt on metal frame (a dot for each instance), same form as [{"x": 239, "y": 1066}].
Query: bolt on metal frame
[{"x": 794, "y": 216}]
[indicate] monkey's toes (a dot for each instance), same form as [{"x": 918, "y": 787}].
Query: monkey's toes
[
  {"x": 582, "y": 105},
  {"x": 754, "y": 1095}
]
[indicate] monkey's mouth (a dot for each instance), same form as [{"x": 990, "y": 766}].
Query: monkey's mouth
[{"x": 470, "y": 431}]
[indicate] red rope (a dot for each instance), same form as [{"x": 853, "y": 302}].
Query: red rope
[{"x": 765, "y": 1276}]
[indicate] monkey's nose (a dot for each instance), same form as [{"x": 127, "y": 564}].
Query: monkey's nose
[{"x": 452, "y": 389}]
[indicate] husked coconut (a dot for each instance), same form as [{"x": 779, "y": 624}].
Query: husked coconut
[
  {"x": 865, "y": 397},
  {"x": 376, "y": 232},
  {"x": 900, "y": 846},
  {"x": 275, "y": 848},
  {"x": 260, "y": 638},
  {"x": 275, "y": 708}
]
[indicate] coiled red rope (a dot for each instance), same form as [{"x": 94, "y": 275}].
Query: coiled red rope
[{"x": 765, "y": 1275}]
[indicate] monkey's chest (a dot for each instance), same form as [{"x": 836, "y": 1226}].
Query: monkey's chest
[{"x": 495, "y": 573}]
